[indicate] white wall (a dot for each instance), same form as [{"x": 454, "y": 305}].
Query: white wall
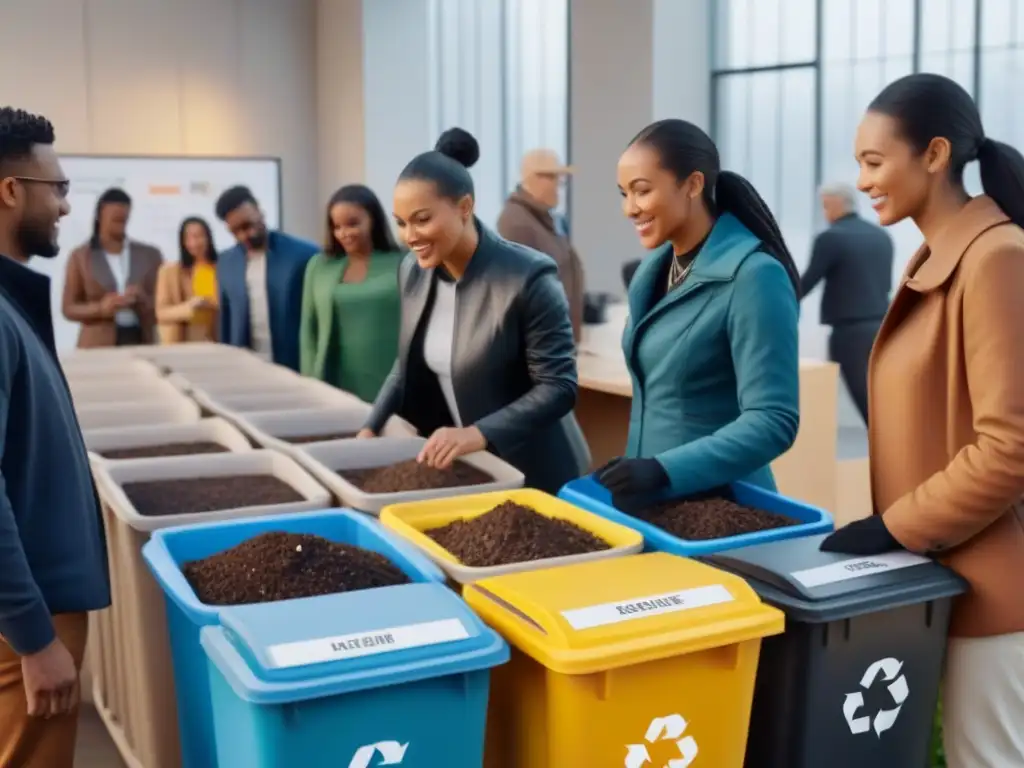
[
  {"x": 213, "y": 77},
  {"x": 340, "y": 93},
  {"x": 632, "y": 62},
  {"x": 397, "y": 89},
  {"x": 682, "y": 61}
]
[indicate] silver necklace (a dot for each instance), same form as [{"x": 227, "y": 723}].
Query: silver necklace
[{"x": 677, "y": 272}]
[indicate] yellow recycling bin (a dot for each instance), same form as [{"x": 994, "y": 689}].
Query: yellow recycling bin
[{"x": 642, "y": 662}]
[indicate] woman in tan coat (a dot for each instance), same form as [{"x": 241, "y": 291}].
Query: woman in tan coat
[
  {"x": 109, "y": 281},
  {"x": 186, "y": 290},
  {"x": 946, "y": 396}
]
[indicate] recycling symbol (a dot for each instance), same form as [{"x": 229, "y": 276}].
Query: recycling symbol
[
  {"x": 669, "y": 728},
  {"x": 391, "y": 753},
  {"x": 884, "y": 719}
]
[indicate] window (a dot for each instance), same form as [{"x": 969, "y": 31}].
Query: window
[
  {"x": 765, "y": 107},
  {"x": 792, "y": 79},
  {"x": 504, "y": 81}
]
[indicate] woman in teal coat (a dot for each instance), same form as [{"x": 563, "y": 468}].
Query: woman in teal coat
[
  {"x": 711, "y": 342},
  {"x": 350, "y": 302}
]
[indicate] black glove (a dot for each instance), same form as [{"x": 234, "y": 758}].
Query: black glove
[
  {"x": 631, "y": 477},
  {"x": 862, "y": 537}
]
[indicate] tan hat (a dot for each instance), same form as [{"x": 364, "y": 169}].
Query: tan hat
[{"x": 538, "y": 161}]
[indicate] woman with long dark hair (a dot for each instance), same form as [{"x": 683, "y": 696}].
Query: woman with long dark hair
[
  {"x": 711, "y": 342},
  {"x": 350, "y": 305},
  {"x": 186, "y": 290},
  {"x": 945, "y": 399},
  {"x": 486, "y": 354}
]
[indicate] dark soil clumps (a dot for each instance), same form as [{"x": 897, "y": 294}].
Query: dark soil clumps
[
  {"x": 511, "y": 533},
  {"x": 710, "y": 518},
  {"x": 170, "y": 449},
  {"x": 157, "y": 498},
  {"x": 413, "y": 476},
  {"x": 286, "y": 566},
  {"x": 300, "y": 439}
]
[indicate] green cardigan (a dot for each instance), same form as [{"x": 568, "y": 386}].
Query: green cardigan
[{"x": 349, "y": 331}]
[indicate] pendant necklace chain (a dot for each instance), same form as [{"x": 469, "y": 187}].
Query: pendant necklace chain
[{"x": 677, "y": 273}]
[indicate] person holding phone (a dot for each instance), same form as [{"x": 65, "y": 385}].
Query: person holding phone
[
  {"x": 186, "y": 290},
  {"x": 111, "y": 279}
]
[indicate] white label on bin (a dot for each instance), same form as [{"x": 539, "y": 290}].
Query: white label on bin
[
  {"x": 357, "y": 644},
  {"x": 856, "y": 567},
  {"x": 642, "y": 607}
]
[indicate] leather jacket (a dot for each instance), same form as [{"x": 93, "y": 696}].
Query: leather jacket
[{"x": 513, "y": 361}]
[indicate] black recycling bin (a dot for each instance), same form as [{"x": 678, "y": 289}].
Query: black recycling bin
[{"x": 854, "y": 679}]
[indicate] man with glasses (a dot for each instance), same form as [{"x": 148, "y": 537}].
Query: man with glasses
[
  {"x": 529, "y": 218},
  {"x": 53, "y": 561}
]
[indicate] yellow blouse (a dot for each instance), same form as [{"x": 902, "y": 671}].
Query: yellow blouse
[{"x": 204, "y": 283}]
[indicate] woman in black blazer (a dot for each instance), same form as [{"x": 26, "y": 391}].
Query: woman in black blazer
[{"x": 486, "y": 354}]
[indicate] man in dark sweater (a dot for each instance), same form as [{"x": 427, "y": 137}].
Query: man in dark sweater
[
  {"x": 854, "y": 258},
  {"x": 53, "y": 561}
]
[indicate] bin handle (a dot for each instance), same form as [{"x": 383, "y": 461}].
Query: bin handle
[
  {"x": 166, "y": 571},
  {"x": 500, "y": 603}
]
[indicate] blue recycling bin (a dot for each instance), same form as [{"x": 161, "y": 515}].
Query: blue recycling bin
[
  {"x": 170, "y": 548},
  {"x": 392, "y": 676},
  {"x": 589, "y": 494}
]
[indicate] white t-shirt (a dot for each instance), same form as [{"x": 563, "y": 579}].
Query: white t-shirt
[
  {"x": 120, "y": 264},
  {"x": 259, "y": 309},
  {"x": 437, "y": 343}
]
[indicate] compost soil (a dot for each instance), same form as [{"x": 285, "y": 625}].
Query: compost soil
[
  {"x": 157, "y": 498},
  {"x": 513, "y": 533},
  {"x": 413, "y": 476},
  {"x": 170, "y": 449},
  {"x": 285, "y": 566},
  {"x": 299, "y": 439},
  {"x": 710, "y": 518}
]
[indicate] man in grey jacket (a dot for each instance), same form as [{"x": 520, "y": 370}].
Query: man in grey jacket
[{"x": 854, "y": 259}]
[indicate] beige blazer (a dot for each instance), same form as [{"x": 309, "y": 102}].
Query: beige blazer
[
  {"x": 89, "y": 278},
  {"x": 174, "y": 314},
  {"x": 946, "y": 413}
]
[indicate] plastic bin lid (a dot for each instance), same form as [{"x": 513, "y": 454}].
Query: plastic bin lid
[
  {"x": 813, "y": 586},
  {"x": 604, "y": 614},
  {"x": 296, "y": 650}
]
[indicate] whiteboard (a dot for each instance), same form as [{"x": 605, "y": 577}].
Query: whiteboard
[{"x": 164, "y": 191}]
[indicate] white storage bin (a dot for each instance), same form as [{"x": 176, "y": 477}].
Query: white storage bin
[
  {"x": 108, "y": 369},
  {"x": 325, "y": 460},
  {"x": 231, "y": 373},
  {"x": 191, "y": 351},
  {"x": 255, "y": 384},
  {"x": 133, "y": 655},
  {"x": 178, "y": 410},
  {"x": 234, "y": 406},
  {"x": 111, "y": 476},
  {"x": 222, "y": 364},
  {"x": 97, "y": 441},
  {"x": 87, "y": 392},
  {"x": 272, "y": 429},
  {"x": 93, "y": 354}
]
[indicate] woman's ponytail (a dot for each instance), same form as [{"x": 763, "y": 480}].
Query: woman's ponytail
[
  {"x": 1002, "y": 177},
  {"x": 735, "y": 195}
]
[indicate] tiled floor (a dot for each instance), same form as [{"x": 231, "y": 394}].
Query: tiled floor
[{"x": 95, "y": 749}]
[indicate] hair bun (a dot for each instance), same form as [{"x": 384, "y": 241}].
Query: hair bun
[{"x": 460, "y": 146}]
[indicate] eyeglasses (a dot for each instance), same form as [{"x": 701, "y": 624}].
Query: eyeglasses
[{"x": 62, "y": 186}]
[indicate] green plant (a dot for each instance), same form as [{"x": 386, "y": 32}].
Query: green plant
[{"x": 938, "y": 753}]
